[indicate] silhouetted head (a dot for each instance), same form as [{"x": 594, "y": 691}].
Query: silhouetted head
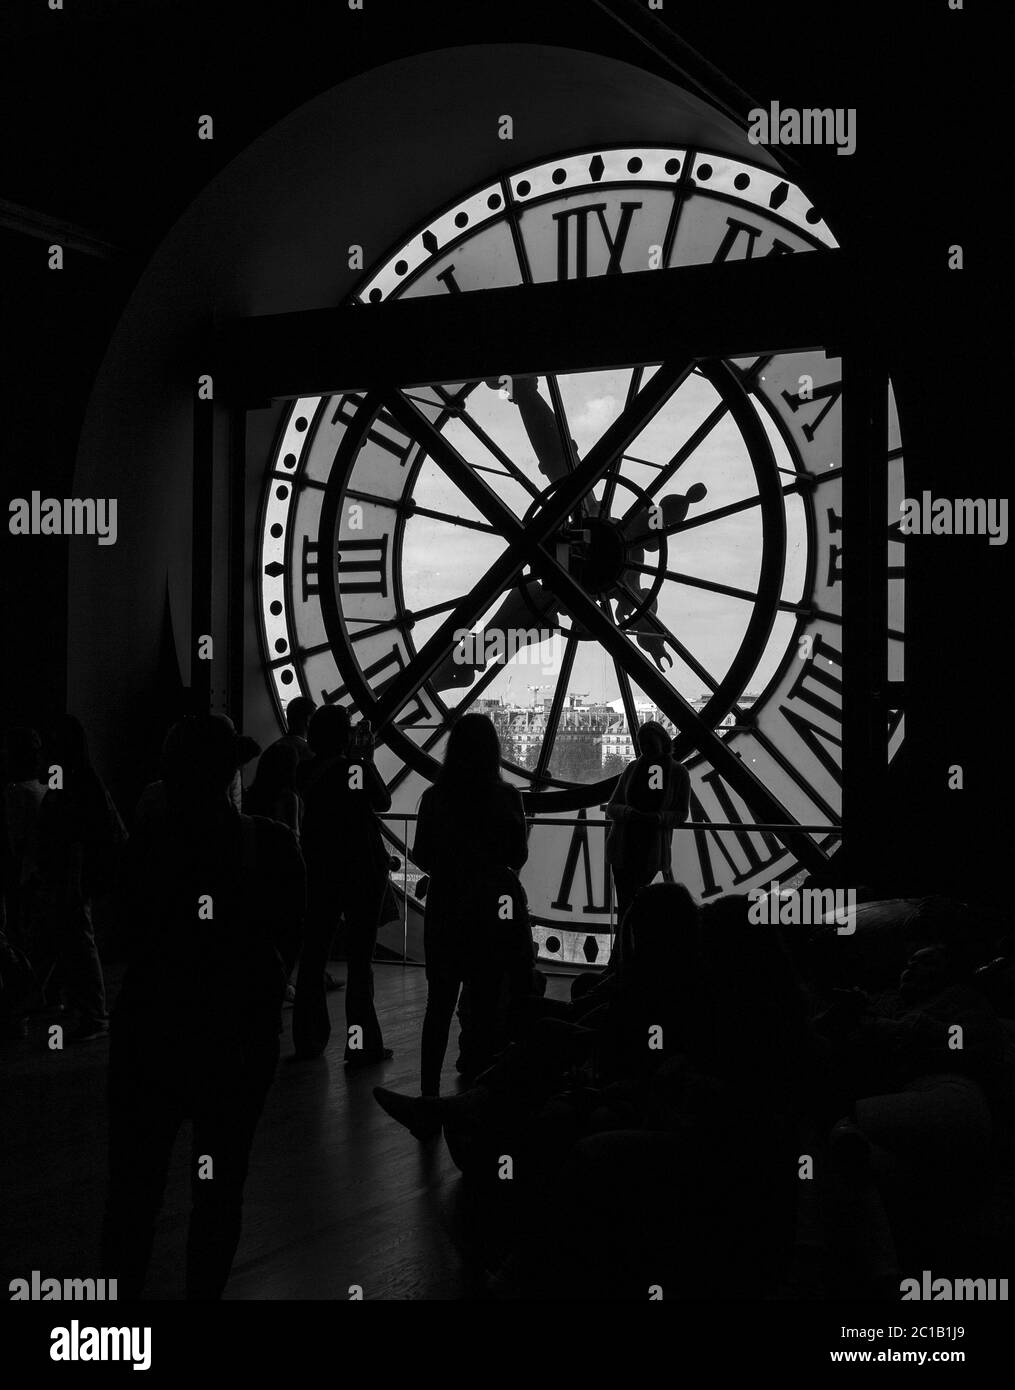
[
  {"x": 472, "y": 757},
  {"x": 22, "y": 754},
  {"x": 276, "y": 771},
  {"x": 654, "y": 741},
  {"x": 297, "y": 715},
  {"x": 329, "y": 731},
  {"x": 67, "y": 744},
  {"x": 752, "y": 956},
  {"x": 199, "y": 758},
  {"x": 928, "y": 971},
  {"x": 697, "y": 492}
]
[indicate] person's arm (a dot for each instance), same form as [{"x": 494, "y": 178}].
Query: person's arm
[
  {"x": 677, "y": 814},
  {"x": 374, "y": 789},
  {"x": 290, "y": 808},
  {"x": 288, "y": 878},
  {"x": 617, "y": 807}
]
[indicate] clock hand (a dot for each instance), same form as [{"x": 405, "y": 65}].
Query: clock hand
[{"x": 541, "y": 427}]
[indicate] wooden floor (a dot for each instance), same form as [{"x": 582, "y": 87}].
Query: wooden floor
[{"x": 338, "y": 1194}]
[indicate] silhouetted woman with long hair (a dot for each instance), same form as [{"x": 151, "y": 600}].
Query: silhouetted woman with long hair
[
  {"x": 273, "y": 790},
  {"x": 471, "y": 840}
]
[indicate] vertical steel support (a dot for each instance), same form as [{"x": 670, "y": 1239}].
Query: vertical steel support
[{"x": 864, "y": 608}]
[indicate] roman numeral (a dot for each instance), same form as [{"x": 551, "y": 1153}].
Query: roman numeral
[
  {"x": 393, "y": 663},
  {"x": 447, "y": 279},
  {"x": 310, "y": 575},
  {"x": 734, "y": 229},
  {"x": 829, "y": 394},
  {"x": 384, "y": 430},
  {"x": 579, "y": 849},
  {"x": 615, "y": 242},
  {"x": 834, "y": 551},
  {"x": 819, "y": 685},
  {"x": 705, "y": 841},
  {"x": 355, "y": 559}
]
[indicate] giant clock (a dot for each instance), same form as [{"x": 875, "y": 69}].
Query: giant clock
[{"x": 695, "y": 508}]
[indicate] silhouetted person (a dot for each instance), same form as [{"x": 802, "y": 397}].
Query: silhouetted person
[
  {"x": 152, "y": 801},
  {"x": 471, "y": 840},
  {"x": 211, "y": 911},
  {"x": 347, "y": 876},
  {"x": 298, "y": 714},
  {"x": 77, "y": 827},
  {"x": 23, "y": 793},
  {"x": 273, "y": 790},
  {"x": 651, "y": 797}
]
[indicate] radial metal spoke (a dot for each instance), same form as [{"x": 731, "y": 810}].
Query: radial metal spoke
[
  {"x": 512, "y": 468},
  {"x": 525, "y": 541},
  {"x": 719, "y": 513},
  {"x": 692, "y": 443},
  {"x": 556, "y": 707},
  {"x": 399, "y": 505},
  {"x": 663, "y": 631},
  {"x": 630, "y": 709},
  {"x": 733, "y": 770},
  {"x": 633, "y": 387}
]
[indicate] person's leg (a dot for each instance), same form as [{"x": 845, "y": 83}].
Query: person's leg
[
  {"x": 362, "y": 914},
  {"x": 441, "y": 997},
  {"x": 144, "y": 1117},
  {"x": 626, "y": 882},
  {"x": 224, "y": 1126},
  {"x": 486, "y": 1016},
  {"x": 86, "y": 986},
  {"x": 311, "y": 1021}
]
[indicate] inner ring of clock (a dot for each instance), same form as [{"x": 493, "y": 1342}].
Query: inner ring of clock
[{"x": 592, "y": 562}]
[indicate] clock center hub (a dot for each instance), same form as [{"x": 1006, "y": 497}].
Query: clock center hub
[{"x": 596, "y": 557}]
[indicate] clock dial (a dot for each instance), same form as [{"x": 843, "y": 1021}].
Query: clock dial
[{"x": 575, "y": 553}]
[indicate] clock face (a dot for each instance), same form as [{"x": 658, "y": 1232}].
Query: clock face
[{"x": 710, "y": 533}]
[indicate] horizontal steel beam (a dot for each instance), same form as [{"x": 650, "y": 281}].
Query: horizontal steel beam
[{"x": 734, "y": 309}]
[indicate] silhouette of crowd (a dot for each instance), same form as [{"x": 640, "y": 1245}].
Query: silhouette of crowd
[{"x": 725, "y": 1110}]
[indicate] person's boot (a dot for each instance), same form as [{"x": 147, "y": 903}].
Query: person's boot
[{"x": 419, "y": 1114}]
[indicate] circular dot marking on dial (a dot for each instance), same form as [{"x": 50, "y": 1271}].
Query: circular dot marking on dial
[
  {"x": 493, "y": 201},
  {"x": 281, "y": 645},
  {"x": 289, "y": 461},
  {"x": 374, "y": 296},
  {"x": 277, "y": 530},
  {"x": 672, "y": 167},
  {"x": 812, "y": 216},
  {"x": 287, "y": 677},
  {"x": 523, "y": 189},
  {"x": 461, "y": 219},
  {"x": 552, "y": 944},
  {"x": 559, "y": 176},
  {"x": 742, "y": 181},
  {"x": 703, "y": 171},
  {"x": 401, "y": 267},
  {"x": 301, "y": 423},
  {"x": 282, "y": 492},
  {"x": 275, "y": 608},
  {"x": 633, "y": 165}
]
